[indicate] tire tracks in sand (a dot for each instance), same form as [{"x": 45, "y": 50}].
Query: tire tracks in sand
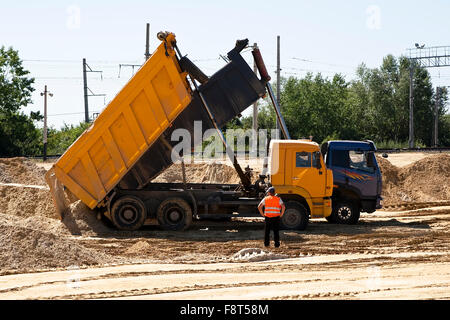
[{"x": 320, "y": 276}]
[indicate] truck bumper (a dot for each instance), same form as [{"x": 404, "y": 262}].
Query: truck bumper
[
  {"x": 321, "y": 208},
  {"x": 378, "y": 203}
]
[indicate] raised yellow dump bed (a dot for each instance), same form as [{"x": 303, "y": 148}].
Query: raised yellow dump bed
[
  {"x": 126, "y": 128},
  {"x": 131, "y": 142}
]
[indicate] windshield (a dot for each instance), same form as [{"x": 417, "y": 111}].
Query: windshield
[
  {"x": 362, "y": 160},
  {"x": 354, "y": 159}
]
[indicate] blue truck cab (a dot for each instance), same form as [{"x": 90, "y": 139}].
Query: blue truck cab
[{"x": 357, "y": 179}]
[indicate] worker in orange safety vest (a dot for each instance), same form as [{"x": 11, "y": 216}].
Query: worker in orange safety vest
[{"x": 273, "y": 211}]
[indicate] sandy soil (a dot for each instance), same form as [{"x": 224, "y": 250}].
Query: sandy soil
[{"x": 388, "y": 255}]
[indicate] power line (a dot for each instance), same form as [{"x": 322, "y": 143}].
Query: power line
[
  {"x": 77, "y": 61},
  {"x": 69, "y": 113},
  {"x": 207, "y": 59},
  {"x": 72, "y": 78},
  {"x": 324, "y": 63}
]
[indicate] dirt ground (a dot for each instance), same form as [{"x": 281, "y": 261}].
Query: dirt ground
[{"x": 402, "y": 252}]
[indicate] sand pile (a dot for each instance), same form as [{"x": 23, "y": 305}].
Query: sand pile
[
  {"x": 425, "y": 180},
  {"x": 139, "y": 248},
  {"x": 37, "y": 241},
  {"x": 30, "y": 202},
  {"x": 21, "y": 201},
  {"x": 26, "y": 202},
  {"x": 21, "y": 170},
  {"x": 31, "y": 234},
  {"x": 200, "y": 173},
  {"x": 30, "y": 243},
  {"x": 428, "y": 179}
]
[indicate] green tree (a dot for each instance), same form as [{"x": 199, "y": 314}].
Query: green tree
[
  {"x": 18, "y": 134},
  {"x": 444, "y": 130},
  {"x": 443, "y": 118},
  {"x": 315, "y": 106},
  {"x": 379, "y": 102},
  {"x": 59, "y": 140}
]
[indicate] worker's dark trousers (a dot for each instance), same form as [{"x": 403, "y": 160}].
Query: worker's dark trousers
[{"x": 272, "y": 224}]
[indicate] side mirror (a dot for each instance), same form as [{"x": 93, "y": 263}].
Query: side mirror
[{"x": 318, "y": 164}]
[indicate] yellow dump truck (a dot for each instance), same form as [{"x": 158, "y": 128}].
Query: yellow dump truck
[{"x": 111, "y": 165}]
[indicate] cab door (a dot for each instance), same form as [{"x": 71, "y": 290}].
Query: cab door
[{"x": 302, "y": 171}]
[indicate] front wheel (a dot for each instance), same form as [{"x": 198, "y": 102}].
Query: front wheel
[
  {"x": 295, "y": 216},
  {"x": 345, "y": 212}
]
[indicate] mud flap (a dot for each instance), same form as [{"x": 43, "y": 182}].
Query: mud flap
[{"x": 57, "y": 191}]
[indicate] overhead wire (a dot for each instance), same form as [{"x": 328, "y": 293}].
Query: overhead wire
[
  {"x": 324, "y": 63},
  {"x": 70, "y": 113}
]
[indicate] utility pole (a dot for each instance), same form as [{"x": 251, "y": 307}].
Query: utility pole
[
  {"x": 411, "y": 104},
  {"x": 147, "y": 42},
  {"x": 86, "y": 103},
  {"x": 436, "y": 117},
  {"x": 255, "y": 105},
  {"x": 86, "y": 89},
  {"x": 278, "y": 82},
  {"x": 45, "y": 93}
]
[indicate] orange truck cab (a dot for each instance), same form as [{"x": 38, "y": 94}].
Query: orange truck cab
[{"x": 301, "y": 179}]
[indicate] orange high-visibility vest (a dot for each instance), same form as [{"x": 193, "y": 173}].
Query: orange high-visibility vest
[{"x": 272, "y": 206}]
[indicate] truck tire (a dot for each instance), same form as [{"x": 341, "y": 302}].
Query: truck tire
[
  {"x": 295, "y": 216},
  {"x": 174, "y": 214},
  {"x": 128, "y": 213},
  {"x": 345, "y": 212}
]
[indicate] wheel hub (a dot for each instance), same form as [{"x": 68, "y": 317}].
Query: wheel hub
[
  {"x": 290, "y": 218},
  {"x": 174, "y": 216},
  {"x": 128, "y": 214},
  {"x": 344, "y": 213}
]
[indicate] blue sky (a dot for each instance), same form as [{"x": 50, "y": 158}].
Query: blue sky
[{"x": 321, "y": 36}]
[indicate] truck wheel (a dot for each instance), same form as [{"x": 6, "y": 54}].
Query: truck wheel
[
  {"x": 345, "y": 212},
  {"x": 295, "y": 216},
  {"x": 128, "y": 213},
  {"x": 174, "y": 214}
]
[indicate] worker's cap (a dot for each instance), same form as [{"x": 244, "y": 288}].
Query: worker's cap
[{"x": 271, "y": 190}]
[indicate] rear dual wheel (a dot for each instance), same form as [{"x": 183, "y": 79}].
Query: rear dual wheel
[
  {"x": 128, "y": 213},
  {"x": 174, "y": 214}
]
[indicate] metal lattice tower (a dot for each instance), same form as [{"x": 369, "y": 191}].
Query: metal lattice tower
[
  {"x": 431, "y": 56},
  {"x": 428, "y": 57}
]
